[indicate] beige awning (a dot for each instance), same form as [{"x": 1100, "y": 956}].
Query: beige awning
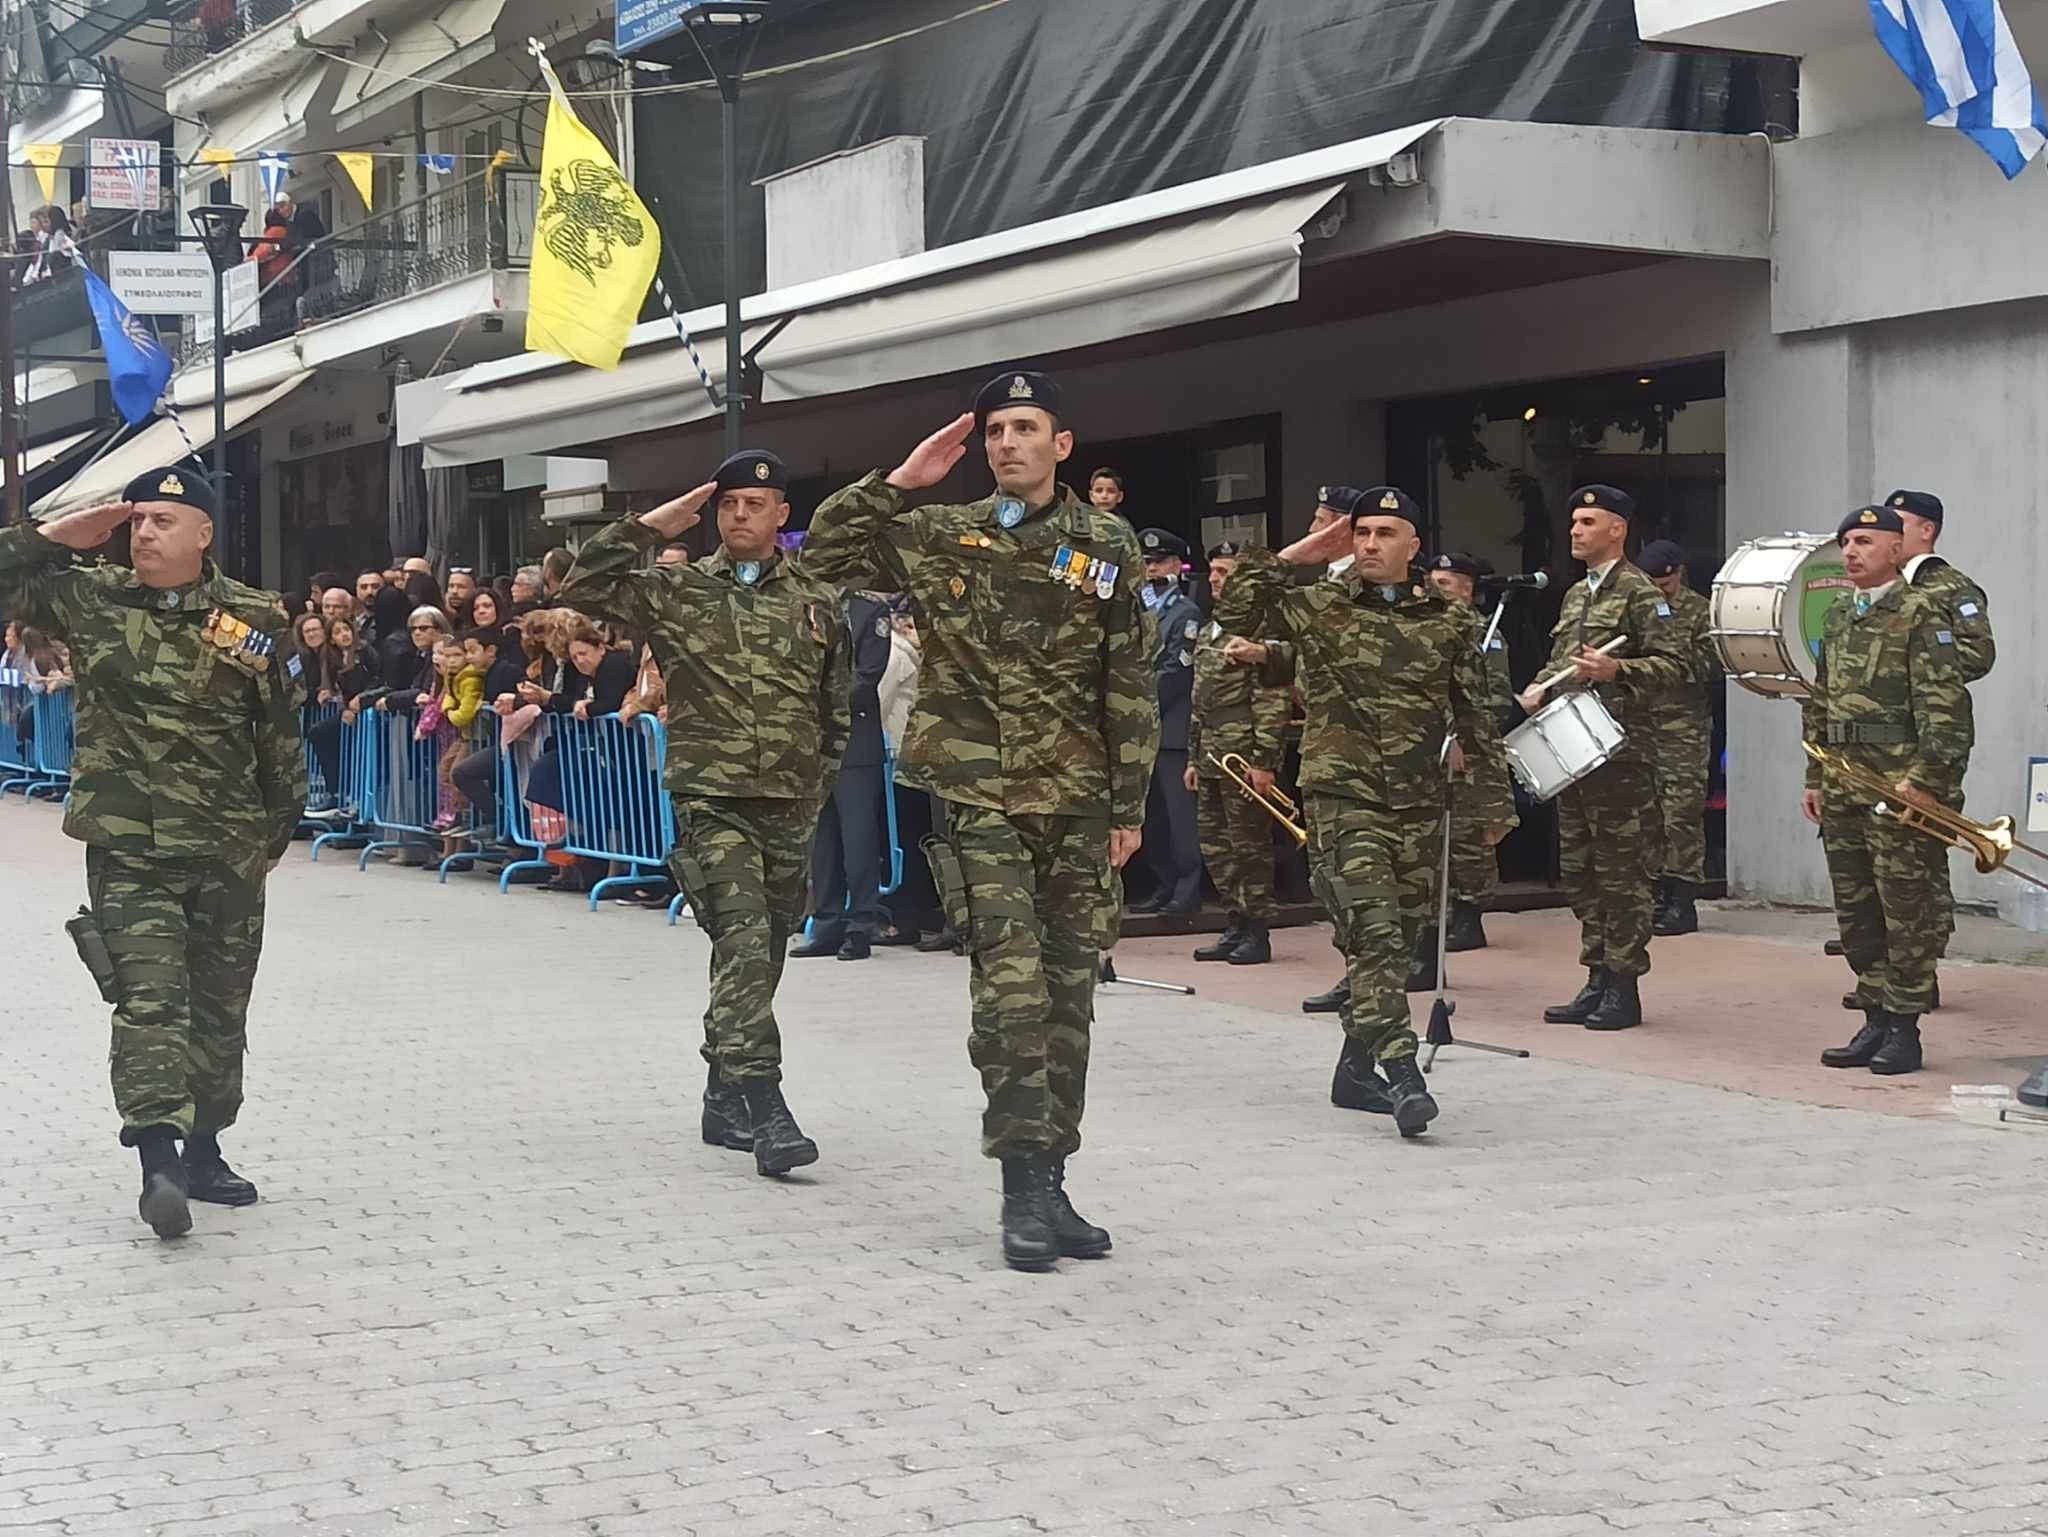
[
  {"x": 43, "y": 455},
  {"x": 159, "y": 443},
  {"x": 430, "y": 48},
  {"x": 265, "y": 120}
]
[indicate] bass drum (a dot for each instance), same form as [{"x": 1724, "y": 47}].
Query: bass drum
[{"x": 1769, "y": 608}]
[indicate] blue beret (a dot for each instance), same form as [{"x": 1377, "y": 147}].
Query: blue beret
[
  {"x": 1922, "y": 504},
  {"x": 182, "y": 484},
  {"x": 755, "y": 470},
  {"x": 1607, "y": 498},
  {"x": 1880, "y": 519}
]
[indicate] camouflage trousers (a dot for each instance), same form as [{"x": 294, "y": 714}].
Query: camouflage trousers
[
  {"x": 1038, "y": 904},
  {"x": 1679, "y": 824},
  {"x": 184, "y": 936},
  {"x": 1888, "y": 883},
  {"x": 1475, "y": 867},
  {"x": 1237, "y": 845},
  {"x": 1374, "y": 872},
  {"x": 1604, "y": 845},
  {"x": 745, "y": 866}
]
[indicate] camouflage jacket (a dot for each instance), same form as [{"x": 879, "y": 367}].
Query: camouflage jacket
[
  {"x": 1236, "y": 709},
  {"x": 757, "y": 677},
  {"x": 1965, "y": 612},
  {"x": 1654, "y": 662},
  {"x": 1036, "y": 694},
  {"x": 1688, "y": 709},
  {"x": 187, "y": 742},
  {"x": 1890, "y": 694},
  {"x": 1385, "y": 672}
]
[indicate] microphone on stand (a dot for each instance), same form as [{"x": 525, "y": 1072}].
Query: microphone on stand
[{"x": 1537, "y": 580}]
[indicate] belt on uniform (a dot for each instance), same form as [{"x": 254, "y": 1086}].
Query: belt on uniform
[{"x": 1868, "y": 733}]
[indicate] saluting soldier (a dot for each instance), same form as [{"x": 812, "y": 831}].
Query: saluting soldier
[
  {"x": 1890, "y": 697},
  {"x": 1482, "y": 807},
  {"x": 187, "y": 783},
  {"x": 753, "y": 653},
  {"x": 1388, "y": 666},
  {"x": 1036, "y": 724},
  {"x": 1681, "y": 745},
  {"x": 1603, "y": 821},
  {"x": 1235, "y": 711},
  {"x": 1173, "y": 846}
]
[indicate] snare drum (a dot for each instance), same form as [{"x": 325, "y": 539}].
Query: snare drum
[
  {"x": 1562, "y": 743},
  {"x": 1770, "y": 604}
]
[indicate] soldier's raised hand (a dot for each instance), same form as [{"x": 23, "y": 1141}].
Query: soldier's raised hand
[
  {"x": 88, "y": 528},
  {"x": 679, "y": 515},
  {"x": 933, "y": 459}
]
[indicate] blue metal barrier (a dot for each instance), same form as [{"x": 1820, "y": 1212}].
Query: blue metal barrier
[
  {"x": 36, "y": 733},
  {"x": 515, "y": 816},
  {"x": 612, "y": 796},
  {"x": 409, "y": 784},
  {"x": 17, "y": 729},
  {"x": 362, "y": 757},
  {"x": 320, "y": 795}
]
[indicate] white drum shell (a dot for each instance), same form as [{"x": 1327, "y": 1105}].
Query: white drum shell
[
  {"x": 1562, "y": 743},
  {"x": 1761, "y": 620}
]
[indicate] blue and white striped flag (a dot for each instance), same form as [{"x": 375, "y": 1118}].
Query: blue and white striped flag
[{"x": 1968, "y": 70}]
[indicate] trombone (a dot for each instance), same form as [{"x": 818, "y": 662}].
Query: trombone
[
  {"x": 1278, "y": 804},
  {"x": 1990, "y": 843}
]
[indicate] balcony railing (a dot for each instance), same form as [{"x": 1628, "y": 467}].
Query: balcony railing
[{"x": 204, "y": 28}]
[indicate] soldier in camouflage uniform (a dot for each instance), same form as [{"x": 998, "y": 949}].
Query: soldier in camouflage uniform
[
  {"x": 1235, "y": 711},
  {"x": 1388, "y": 666},
  {"x": 1036, "y": 724},
  {"x": 187, "y": 783},
  {"x": 1680, "y": 743},
  {"x": 1890, "y": 698},
  {"x": 1604, "y": 821},
  {"x": 753, "y": 651},
  {"x": 1479, "y": 805}
]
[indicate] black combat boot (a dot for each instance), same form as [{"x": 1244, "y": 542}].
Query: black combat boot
[
  {"x": 1226, "y": 942},
  {"x": 1467, "y": 931},
  {"x": 1900, "y": 1052},
  {"x": 1676, "y": 914},
  {"x": 779, "y": 1143},
  {"x": 2035, "y": 1090},
  {"x": 1580, "y": 1008},
  {"x": 1331, "y": 1002},
  {"x": 948, "y": 938},
  {"x": 1414, "y": 1109},
  {"x": 1619, "y": 1007},
  {"x": 208, "y": 1177},
  {"x": 165, "y": 1192},
  {"x": 1422, "y": 964},
  {"x": 1355, "y": 1086},
  {"x": 1863, "y": 1044},
  {"x": 1076, "y": 1236},
  {"x": 1831, "y": 947},
  {"x": 726, "y": 1121},
  {"x": 1029, "y": 1242},
  {"x": 1256, "y": 948}
]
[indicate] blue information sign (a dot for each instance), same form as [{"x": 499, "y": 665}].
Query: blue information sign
[{"x": 641, "y": 22}]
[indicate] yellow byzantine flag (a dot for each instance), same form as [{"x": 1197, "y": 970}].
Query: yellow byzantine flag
[{"x": 595, "y": 245}]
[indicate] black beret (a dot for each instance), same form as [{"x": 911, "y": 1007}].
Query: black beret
[
  {"x": 755, "y": 470},
  {"x": 1880, "y": 519},
  {"x": 1458, "y": 561},
  {"x": 179, "y": 483},
  {"x": 1387, "y": 502},
  {"x": 1229, "y": 549},
  {"x": 1025, "y": 389},
  {"x": 1660, "y": 557},
  {"x": 1607, "y": 498},
  {"x": 1339, "y": 498},
  {"x": 1159, "y": 544},
  {"x": 1922, "y": 504}
]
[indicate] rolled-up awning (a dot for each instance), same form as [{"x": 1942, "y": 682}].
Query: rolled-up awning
[
  {"x": 264, "y": 120},
  {"x": 433, "y": 47}
]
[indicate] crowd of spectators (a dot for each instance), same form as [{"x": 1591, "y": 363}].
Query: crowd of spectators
[
  {"x": 48, "y": 247},
  {"x": 32, "y": 664}
]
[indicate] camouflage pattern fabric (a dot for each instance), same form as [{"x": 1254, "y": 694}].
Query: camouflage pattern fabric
[
  {"x": 1654, "y": 662},
  {"x": 744, "y": 863},
  {"x": 1237, "y": 710},
  {"x": 1681, "y": 741},
  {"x": 187, "y": 741},
  {"x": 758, "y": 676},
  {"x": 1036, "y": 694},
  {"x": 1038, "y": 904},
  {"x": 1483, "y": 798},
  {"x": 1890, "y": 696},
  {"x": 1374, "y": 874},
  {"x": 184, "y": 936},
  {"x": 1966, "y": 613},
  {"x": 1237, "y": 846}
]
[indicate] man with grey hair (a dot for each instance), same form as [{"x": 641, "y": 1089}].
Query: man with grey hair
[{"x": 526, "y": 590}]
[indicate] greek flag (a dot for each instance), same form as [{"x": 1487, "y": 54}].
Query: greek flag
[{"x": 1961, "y": 57}]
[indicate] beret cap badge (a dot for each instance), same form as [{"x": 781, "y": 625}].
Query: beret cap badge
[
  {"x": 171, "y": 485},
  {"x": 1390, "y": 503}
]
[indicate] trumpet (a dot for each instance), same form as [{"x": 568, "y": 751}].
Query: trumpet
[
  {"x": 1278, "y": 805},
  {"x": 1991, "y": 844}
]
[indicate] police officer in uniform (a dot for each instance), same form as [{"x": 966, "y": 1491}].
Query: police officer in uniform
[
  {"x": 1036, "y": 723},
  {"x": 187, "y": 783},
  {"x": 1681, "y": 741},
  {"x": 1388, "y": 665},
  {"x": 1891, "y": 698},
  {"x": 1482, "y": 811},
  {"x": 1235, "y": 711},
  {"x": 753, "y": 650},
  {"x": 1173, "y": 846},
  {"x": 1603, "y": 821}
]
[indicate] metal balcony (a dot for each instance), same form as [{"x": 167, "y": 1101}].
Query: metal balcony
[{"x": 201, "y": 29}]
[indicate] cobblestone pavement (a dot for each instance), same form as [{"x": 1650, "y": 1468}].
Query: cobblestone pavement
[{"x": 497, "y": 1283}]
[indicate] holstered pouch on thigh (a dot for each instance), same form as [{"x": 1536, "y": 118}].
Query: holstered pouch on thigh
[
  {"x": 92, "y": 949},
  {"x": 951, "y": 882},
  {"x": 690, "y": 876}
]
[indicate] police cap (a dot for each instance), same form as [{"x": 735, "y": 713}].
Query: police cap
[
  {"x": 1922, "y": 504},
  {"x": 1160, "y": 544},
  {"x": 1607, "y": 498},
  {"x": 1020, "y": 389},
  {"x": 1387, "y": 502},
  {"x": 1878, "y": 519},
  {"x": 754, "y": 470},
  {"x": 1660, "y": 557},
  {"x": 177, "y": 483}
]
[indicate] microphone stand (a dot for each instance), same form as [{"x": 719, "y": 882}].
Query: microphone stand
[{"x": 1438, "y": 1035}]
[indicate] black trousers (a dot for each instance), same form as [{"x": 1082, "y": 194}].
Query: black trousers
[
  {"x": 846, "y": 857},
  {"x": 324, "y": 739},
  {"x": 476, "y": 776},
  {"x": 1173, "y": 838}
]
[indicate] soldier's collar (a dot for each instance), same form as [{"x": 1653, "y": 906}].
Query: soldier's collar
[
  {"x": 1039, "y": 525},
  {"x": 200, "y": 597},
  {"x": 721, "y": 563}
]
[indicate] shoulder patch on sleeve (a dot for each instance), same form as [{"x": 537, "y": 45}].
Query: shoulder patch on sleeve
[
  {"x": 1943, "y": 637},
  {"x": 1967, "y": 610},
  {"x": 1663, "y": 610},
  {"x": 1496, "y": 644}
]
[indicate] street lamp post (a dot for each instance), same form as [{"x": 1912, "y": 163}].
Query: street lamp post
[
  {"x": 725, "y": 32},
  {"x": 218, "y": 225}
]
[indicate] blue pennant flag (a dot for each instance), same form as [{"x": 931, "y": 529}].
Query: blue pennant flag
[
  {"x": 272, "y": 168},
  {"x": 1961, "y": 57},
  {"x": 138, "y": 365},
  {"x": 440, "y": 165}
]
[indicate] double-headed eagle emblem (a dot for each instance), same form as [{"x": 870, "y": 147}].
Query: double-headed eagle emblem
[{"x": 581, "y": 222}]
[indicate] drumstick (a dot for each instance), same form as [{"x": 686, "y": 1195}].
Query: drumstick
[{"x": 1545, "y": 685}]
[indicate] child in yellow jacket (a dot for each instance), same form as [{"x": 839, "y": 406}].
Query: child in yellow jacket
[{"x": 444, "y": 717}]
